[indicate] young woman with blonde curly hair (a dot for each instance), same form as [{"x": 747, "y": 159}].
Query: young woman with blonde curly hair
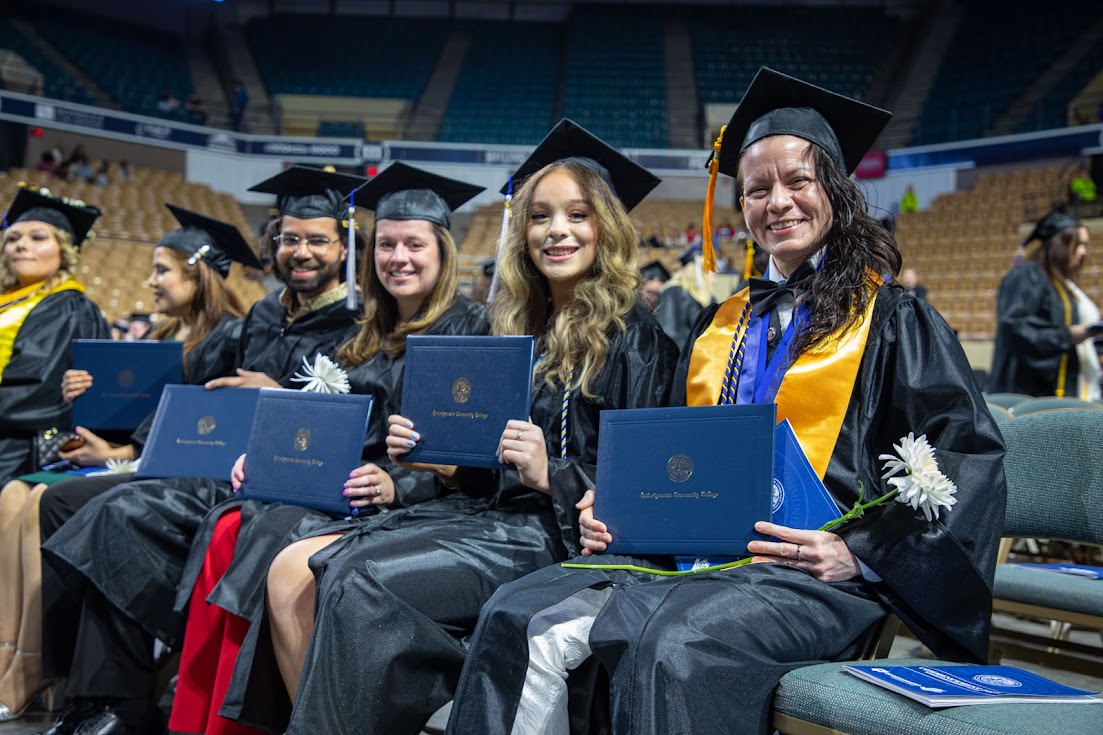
[{"x": 395, "y": 598}]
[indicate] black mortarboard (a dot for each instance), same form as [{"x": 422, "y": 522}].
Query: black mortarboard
[
  {"x": 778, "y": 104},
  {"x": 655, "y": 271},
  {"x": 403, "y": 192},
  {"x": 36, "y": 206},
  {"x": 1056, "y": 220},
  {"x": 630, "y": 181},
  {"x": 310, "y": 193},
  {"x": 686, "y": 256},
  {"x": 216, "y": 243},
  {"x": 487, "y": 264}
]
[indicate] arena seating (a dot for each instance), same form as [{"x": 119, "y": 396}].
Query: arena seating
[
  {"x": 505, "y": 93},
  {"x": 838, "y": 48},
  {"x": 133, "y": 65},
  {"x": 115, "y": 266},
  {"x": 989, "y": 64},
  {"x": 56, "y": 83}
]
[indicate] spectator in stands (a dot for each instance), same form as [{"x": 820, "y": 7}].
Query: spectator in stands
[
  {"x": 909, "y": 202},
  {"x": 122, "y": 171},
  {"x": 909, "y": 281},
  {"x": 725, "y": 231},
  {"x": 202, "y": 314},
  {"x": 197, "y": 111},
  {"x": 238, "y": 102},
  {"x": 167, "y": 102},
  {"x": 43, "y": 308},
  {"x": 1044, "y": 321},
  {"x": 101, "y": 177},
  {"x": 655, "y": 239},
  {"x": 46, "y": 163},
  {"x": 703, "y": 653},
  {"x": 691, "y": 236},
  {"x": 654, "y": 274}
]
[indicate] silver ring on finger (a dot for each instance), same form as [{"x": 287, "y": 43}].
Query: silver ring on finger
[
  {"x": 519, "y": 435},
  {"x": 799, "y": 557},
  {"x": 378, "y": 491}
]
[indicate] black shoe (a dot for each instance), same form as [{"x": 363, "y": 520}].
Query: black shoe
[
  {"x": 77, "y": 712},
  {"x": 105, "y": 721}
]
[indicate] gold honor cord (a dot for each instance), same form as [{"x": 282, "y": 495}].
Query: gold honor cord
[{"x": 1063, "y": 368}]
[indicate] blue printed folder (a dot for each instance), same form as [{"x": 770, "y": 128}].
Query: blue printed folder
[
  {"x": 953, "y": 686},
  {"x": 303, "y": 446},
  {"x": 198, "y": 432},
  {"x": 127, "y": 380},
  {"x": 685, "y": 480},
  {"x": 460, "y": 392}
]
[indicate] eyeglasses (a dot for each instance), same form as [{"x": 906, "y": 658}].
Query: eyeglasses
[{"x": 316, "y": 242}]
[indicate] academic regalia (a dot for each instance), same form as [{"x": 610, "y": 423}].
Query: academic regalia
[
  {"x": 409, "y": 587},
  {"x": 677, "y": 313},
  {"x": 1032, "y": 335},
  {"x": 34, "y": 358},
  {"x": 30, "y": 388},
  {"x": 703, "y": 653}
]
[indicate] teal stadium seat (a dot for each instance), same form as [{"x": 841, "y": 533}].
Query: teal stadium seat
[
  {"x": 56, "y": 83},
  {"x": 1050, "y": 403},
  {"x": 1007, "y": 400}
]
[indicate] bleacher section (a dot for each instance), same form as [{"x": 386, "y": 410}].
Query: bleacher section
[
  {"x": 346, "y": 56},
  {"x": 964, "y": 245},
  {"x": 1051, "y": 112},
  {"x": 999, "y": 49},
  {"x": 508, "y": 85},
  {"x": 115, "y": 266},
  {"x": 838, "y": 48},
  {"x": 134, "y": 65},
  {"x": 615, "y": 80},
  {"x": 56, "y": 83}
]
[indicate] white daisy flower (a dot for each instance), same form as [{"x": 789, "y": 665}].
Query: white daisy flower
[
  {"x": 325, "y": 376},
  {"x": 922, "y": 484}
]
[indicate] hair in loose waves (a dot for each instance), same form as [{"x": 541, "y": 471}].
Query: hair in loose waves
[
  {"x": 1053, "y": 253},
  {"x": 210, "y": 304},
  {"x": 854, "y": 245},
  {"x": 70, "y": 263},
  {"x": 575, "y": 339},
  {"x": 379, "y": 329}
]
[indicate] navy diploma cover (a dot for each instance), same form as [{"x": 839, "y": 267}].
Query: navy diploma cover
[
  {"x": 198, "y": 432},
  {"x": 303, "y": 446},
  {"x": 127, "y": 379},
  {"x": 460, "y": 392},
  {"x": 690, "y": 480}
]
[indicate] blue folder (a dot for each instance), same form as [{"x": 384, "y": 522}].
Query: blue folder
[
  {"x": 127, "y": 379},
  {"x": 460, "y": 392},
  {"x": 953, "y": 686},
  {"x": 303, "y": 446},
  {"x": 198, "y": 432},
  {"x": 685, "y": 480}
]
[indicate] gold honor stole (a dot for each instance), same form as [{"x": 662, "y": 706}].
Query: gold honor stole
[
  {"x": 15, "y": 306},
  {"x": 813, "y": 394}
]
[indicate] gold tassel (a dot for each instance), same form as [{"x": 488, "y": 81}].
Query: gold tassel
[
  {"x": 707, "y": 249},
  {"x": 748, "y": 259}
]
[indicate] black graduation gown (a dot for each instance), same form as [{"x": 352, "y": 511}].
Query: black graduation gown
[
  {"x": 677, "y": 313},
  {"x": 269, "y": 527},
  {"x": 131, "y": 541},
  {"x": 396, "y": 598},
  {"x": 1032, "y": 336},
  {"x": 30, "y": 389},
  {"x": 703, "y": 653}
]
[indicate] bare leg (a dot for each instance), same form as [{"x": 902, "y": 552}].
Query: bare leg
[
  {"x": 291, "y": 606},
  {"x": 12, "y": 499}
]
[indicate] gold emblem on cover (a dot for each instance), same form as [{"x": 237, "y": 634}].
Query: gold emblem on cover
[
  {"x": 125, "y": 378},
  {"x": 206, "y": 425},
  {"x": 302, "y": 439},
  {"x": 461, "y": 390},
  {"x": 679, "y": 468}
]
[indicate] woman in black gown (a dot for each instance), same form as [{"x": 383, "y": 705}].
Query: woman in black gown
[
  {"x": 854, "y": 364},
  {"x": 396, "y": 599}
]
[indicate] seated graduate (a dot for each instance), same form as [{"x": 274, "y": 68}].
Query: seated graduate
[
  {"x": 854, "y": 363},
  {"x": 1044, "y": 343},
  {"x": 684, "y": 296},
  {"x": 42, "y": 309},
  {"x": 190, "y": 290},
  {"x": 111, "y": 574},
  {"x": 397, "y": 597},
  {"x": 409, "y": 281}
]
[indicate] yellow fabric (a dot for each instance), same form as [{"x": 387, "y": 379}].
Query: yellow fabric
[
  {"x": 15, "y": 306},
  {"x": 1063, "y": 368},
  {"x": 815, "y": 391}
]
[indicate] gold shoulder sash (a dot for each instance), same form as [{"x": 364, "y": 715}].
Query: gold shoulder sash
[
  {"x": 16, "y": 306},
  {"x": 815, "y": 391}
]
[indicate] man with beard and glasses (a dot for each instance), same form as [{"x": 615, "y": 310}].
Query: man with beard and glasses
[{"x": 110, "y": 576}]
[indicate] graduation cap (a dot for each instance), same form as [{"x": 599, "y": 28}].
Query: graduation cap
[
  {"x": 1056, "y": 220},
  {"x": 655, "y": 271},
  {"x": 487, "y": 266},
  {"x": 568, "y": 140},
  {"x": 68, "y": 215},
  {"x": 402, "y": 192},
  {"x": 778, "y": 104},
  {"x": 310, "y": 193},
  {"x": 215, "y": 242}
]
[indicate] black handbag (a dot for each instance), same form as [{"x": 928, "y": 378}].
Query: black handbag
[{"x": 48, "y": 445}]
